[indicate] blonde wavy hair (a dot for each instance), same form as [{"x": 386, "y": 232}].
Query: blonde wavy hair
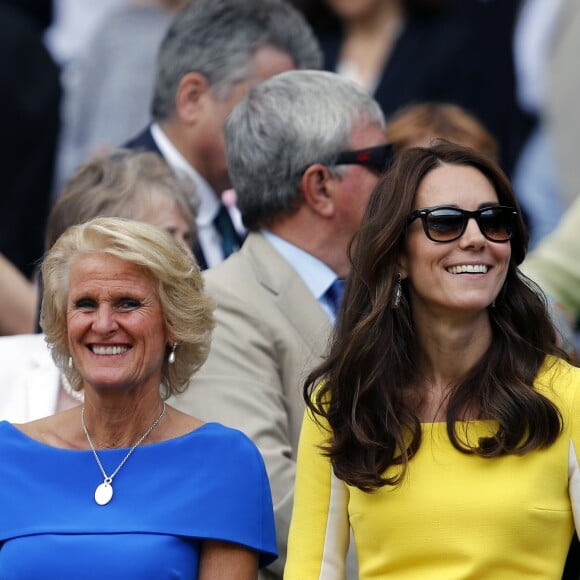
[{"x": 187, "y": 311}]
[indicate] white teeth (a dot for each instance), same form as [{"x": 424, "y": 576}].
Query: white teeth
[
  {"x": 469, "y": 269},
  {"x": 109, "y": 349}
]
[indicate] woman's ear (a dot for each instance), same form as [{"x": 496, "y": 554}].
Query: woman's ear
[
  {"x": 317, "y": 186},
  {"x": 402, "y": 267}
]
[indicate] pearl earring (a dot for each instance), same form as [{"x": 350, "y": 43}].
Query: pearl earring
[
  {"x": 70, "y": 362},
  {"x": 171, "y": 358}
]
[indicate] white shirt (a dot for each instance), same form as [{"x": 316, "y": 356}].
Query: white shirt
[
  {"x": 29, "y": 379},
  {"x": 209, "y": 202},
  {"x": 317, "y": 276}
]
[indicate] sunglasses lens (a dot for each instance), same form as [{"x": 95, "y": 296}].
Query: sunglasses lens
[
  {"x": 445, "y": 224},
  {"x": 496, "y": 223}
]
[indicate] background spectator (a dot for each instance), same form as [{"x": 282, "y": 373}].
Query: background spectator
[
  {"x": 211, "y": 55},
  {"x": 420, "y": 124},
  {"x": 17, "y": 300},
  {"x": 302, "y": 193},
  {"x": 535, "y": 175},
  {"x": 110, "y": 82},
  {"x": 411, "y": 51},
  {"x": 29, "y": 124}
]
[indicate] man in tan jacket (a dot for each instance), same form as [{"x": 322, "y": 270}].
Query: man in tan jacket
[{"x": 305, "y": 149}]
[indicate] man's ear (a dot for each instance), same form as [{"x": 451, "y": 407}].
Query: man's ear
[
  {"x": 318, "y": 185},
  {"x": 189, "y": 99}
]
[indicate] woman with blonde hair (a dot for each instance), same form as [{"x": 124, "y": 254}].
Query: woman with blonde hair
[
  {"x": 158, "y": 492},
  {"x": 129, "y": 184}
]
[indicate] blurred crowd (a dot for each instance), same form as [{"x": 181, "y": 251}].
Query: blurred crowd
[{"x": 83, "y": 83}]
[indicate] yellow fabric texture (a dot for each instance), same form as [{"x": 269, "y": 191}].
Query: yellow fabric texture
[{"x": 455, "y": 515}]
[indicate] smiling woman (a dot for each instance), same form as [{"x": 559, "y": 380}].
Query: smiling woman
[
  {"x": 127, "y": 319},
  {"x": 449, "y": 262},
  {"x": 130, "y": 184},
  {"x": 443, "y": 385},
  {"x": 115, "y": 326}
]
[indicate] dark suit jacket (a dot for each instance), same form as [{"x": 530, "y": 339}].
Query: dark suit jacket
[
  {"x": 29, "y": 125},
  {"x": 143, "y": 142}
]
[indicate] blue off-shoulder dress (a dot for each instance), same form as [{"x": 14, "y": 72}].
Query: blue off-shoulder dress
[{"x": 168, "y": 498}]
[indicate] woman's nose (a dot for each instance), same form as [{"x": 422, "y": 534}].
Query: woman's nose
[
  {"x": 472, "y": 236},
  {"x": 104, "y": 321}
]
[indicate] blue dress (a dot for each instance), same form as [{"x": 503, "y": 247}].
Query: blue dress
[{"x": 168, "y": 498}]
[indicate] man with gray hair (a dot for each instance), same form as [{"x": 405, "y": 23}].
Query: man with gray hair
[
  {"x": 213, "y": 52},
  {"x": 305, "y": 149}
]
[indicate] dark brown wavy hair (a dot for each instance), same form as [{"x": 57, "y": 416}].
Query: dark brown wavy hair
[{"x": 359, "y": 388}]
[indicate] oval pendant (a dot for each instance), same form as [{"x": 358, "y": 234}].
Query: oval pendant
[{"x": 104, "y": 493}]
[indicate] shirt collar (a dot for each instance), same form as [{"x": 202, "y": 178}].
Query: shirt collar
[
  {"x": 209, "y": 202},
  {"x": 315, "y": 273}
]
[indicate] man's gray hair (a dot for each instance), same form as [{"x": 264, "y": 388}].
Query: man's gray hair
[
  {"x": 218, "y": 39},
  {"x": 284, "y": 125}
]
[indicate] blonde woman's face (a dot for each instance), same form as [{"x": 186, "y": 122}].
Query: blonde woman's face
[
  {"x": 116, "y": 331},
  {"x": 164, "y": 213}
]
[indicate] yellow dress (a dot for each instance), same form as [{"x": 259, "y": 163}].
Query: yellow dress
[{"x": 454, "y": 516}]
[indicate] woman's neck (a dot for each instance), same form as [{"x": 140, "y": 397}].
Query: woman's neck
[
  {"x": 448, "y": 351},
  {"x": 120, "y": 421}
]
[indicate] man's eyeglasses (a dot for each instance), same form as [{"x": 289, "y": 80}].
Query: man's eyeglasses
[
  {"x": 446, "y": 223},
  {"x": 378, "y": 158}
]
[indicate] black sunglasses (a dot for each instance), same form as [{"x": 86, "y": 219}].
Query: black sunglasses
[
  {"x": 446, "y": 223},
  {"x": 378, "y": 158}
]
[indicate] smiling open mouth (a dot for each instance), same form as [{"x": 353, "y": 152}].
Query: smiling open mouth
[
  {"x": 468, "y": 269},
  {"x": 109, "y": 349}
]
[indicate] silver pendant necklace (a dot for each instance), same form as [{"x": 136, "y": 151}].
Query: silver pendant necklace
[{"x": 104, "y": 491}]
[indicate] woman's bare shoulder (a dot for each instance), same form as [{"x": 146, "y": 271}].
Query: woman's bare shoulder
[
  {"x": 58, "y": 430},
  {"x": 179, "y": 423}
]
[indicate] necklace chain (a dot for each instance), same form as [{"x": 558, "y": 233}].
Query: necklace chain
[{"x": 109, "y": 478}]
